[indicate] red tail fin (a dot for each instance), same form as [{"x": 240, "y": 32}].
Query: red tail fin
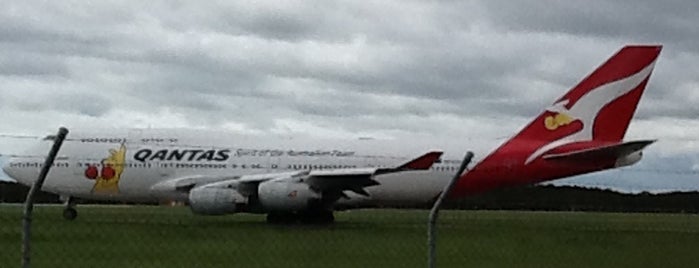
[{"x": 597, "y": 111}]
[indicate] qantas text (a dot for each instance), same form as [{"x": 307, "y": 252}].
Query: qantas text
[
  {"x": 180, "y": 155},
  {"x": 220, "y": 155}
]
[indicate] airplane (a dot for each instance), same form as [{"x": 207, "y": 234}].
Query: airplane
[{"x": 307, "y": 179}]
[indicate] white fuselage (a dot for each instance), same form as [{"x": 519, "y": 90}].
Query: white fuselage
[{"x": 154, "y": 156}]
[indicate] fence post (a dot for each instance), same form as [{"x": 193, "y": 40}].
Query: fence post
[
  {"x": 434, "y": 213},
  {"x": 29, "y": 202}
]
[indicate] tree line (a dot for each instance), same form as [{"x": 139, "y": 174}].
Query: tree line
[
  {"x": 535, "y": 197},
  {"x": 575, "y": 198}
]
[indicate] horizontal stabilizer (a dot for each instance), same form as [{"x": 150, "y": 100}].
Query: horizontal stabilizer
[{"x": 602, "y": 152}]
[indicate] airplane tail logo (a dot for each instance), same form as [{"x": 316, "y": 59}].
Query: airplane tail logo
[
  {"x": 596, "y": 112},
  {"x": 599, "y": 108},
  {"x": 602, "y": 104}
]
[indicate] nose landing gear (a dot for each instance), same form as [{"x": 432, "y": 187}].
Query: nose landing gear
[{"x": 69, "y": 212}]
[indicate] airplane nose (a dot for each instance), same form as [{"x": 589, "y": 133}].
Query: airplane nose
[
  {"x": 25, "y": 168},
  {"x": 21, "y": 171},
  {"x": 8, "y": 168}
]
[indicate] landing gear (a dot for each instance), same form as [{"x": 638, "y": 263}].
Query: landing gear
[
  {"x": 318, "y": 217},
  {"x": 69, "y": 212},
  {"x": 307, "y": 217},
  {"x": 281, "y": 218}
]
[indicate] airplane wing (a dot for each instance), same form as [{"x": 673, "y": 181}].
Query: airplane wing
[
  {"x": 324, "y": 181},
  {"x": 423, "y": 162},
  {"x": 338, "y": 180}
]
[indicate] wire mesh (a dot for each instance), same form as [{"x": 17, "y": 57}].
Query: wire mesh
[{"x": 507, "y": 233}]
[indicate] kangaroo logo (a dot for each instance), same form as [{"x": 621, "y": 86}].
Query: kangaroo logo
[
  {"x": 559, "y": 120},
  {"x": 107, "y": 179},
  {"x": 586, "y": 109}
]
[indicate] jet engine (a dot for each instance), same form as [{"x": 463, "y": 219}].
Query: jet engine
[
  {"x": 214, "y": 201},
  {"x": 285, "y": 195},
  {"x": 629, "y": 159}
]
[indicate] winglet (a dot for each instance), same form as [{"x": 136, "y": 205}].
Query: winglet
[{"x": 423, "y": 162}]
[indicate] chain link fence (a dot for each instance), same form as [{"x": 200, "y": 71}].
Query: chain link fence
[
  {"x": 540, "y": 226},
  {"x": 171, "y": 236}
]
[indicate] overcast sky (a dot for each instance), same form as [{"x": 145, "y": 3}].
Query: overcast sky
[{"x": 386, "y": 69}]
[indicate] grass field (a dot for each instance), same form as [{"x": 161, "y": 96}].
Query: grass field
[{"x": 173, "y": 237}]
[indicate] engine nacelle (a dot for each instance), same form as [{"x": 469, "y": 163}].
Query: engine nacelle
[
  {"x": 284, "y": 195},
  {"x": 214, "y": 201},
  {"x": 629, "y": 159}
]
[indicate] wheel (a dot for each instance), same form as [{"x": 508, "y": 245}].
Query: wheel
[
  {"x": 326, "y": 217},
  {"x": 281, "y": 218},
  {"x": 70, "y": 214},
  {"x": 273, "y": 218},
  {"x": 318, "y": 217}
]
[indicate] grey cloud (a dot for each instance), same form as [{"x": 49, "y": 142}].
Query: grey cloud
[
  {"x": 354, "y": 66},
  {"x": 87, "y": 104},
  {"x": 428, "y": 72},
  {"x": 84, "y": 104},
  {"x": 30, "y": 64},
  {"x": 667, "y": 21}
]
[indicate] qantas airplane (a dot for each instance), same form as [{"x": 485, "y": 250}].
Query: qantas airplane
[{"x": 297, "y": 179}]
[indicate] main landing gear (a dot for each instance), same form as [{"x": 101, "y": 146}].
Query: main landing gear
[
  {"x": 320, "y": 217},
  {"x": 69, "y": 212}
]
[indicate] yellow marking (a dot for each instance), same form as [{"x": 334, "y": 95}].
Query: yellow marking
[
  {"x": 117, "y": 160},
  {"x": 559, "y": 120}
]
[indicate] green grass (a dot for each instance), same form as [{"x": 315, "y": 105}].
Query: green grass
[{"x": 173, "y": 237}]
